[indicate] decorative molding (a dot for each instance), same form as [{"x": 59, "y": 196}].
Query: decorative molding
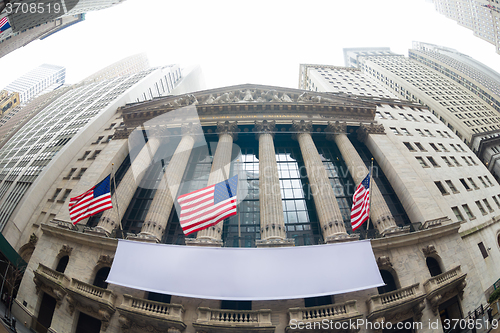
[
  {"x": 384, "y": 261},
  {"x": 429, "y": 250},
  {"x": 264, "y": 127},
  {"x": 364, "y": 130},
  {"x": 227, "y": 127},
  {"x": 299, "y": 127},
  {"x": 335, "y": 128},
  {"x": 65, "y": 250},
  {"x": 105, "y": 260}
]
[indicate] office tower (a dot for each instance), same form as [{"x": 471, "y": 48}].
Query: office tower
[
  {"x": 34, "y": 20},
  {"x": 314, "y": 148},
  {"x": 466, "y": 114},
  {"x": 473, "y": 75},
  {"x": 128, "y": 65},
  {"x": 8, "y": 101},
  {"x": 41, "y": 31},
  {"x": 44, "y": 78},
  {"x": 480, "y": 16}
]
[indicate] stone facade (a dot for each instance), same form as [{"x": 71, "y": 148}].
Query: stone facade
[{"x": 265, "y": 117}]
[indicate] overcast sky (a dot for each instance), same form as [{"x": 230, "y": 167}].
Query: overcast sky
[{"x": 237, "y": 42}]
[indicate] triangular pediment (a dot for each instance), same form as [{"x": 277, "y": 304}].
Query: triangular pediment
[{"x": 249, "y": 94}]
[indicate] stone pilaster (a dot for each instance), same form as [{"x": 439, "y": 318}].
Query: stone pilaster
[
  {"x": 272, "y": 222},
  {"x": 380, "y": 214},
  {"x": 221, "y": 166},
  {"x": 159, "y": 212},
  {"x": 327, "y": 208},
  {"x": 125, "y": 191}
]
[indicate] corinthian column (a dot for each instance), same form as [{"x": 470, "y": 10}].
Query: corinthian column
[
  {"x": 125, "y": 191},
  {"x": 156, "y": 220},
  {"x": 380, "y": 214},
  {"x": 221, "y": 166},
  {"x": 327, "y": 207},
  {"x": 272, "y": 222}
]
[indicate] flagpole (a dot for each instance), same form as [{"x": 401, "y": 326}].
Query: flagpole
[
  {"x": 237, "y": 209},
  {"x": 369, "y": 197},
  {"x": 116, "y": 198}
]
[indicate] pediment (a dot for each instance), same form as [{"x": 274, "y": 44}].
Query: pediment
[{"x": 248, "y": 94}]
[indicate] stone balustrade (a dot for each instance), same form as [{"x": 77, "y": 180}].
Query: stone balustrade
[
  {"x": 218, "y": 317},
  {"x": 439, "y": 280},
  {"x": 92, "y": 292},
  {"x": 394, "y": 298},
  {"x": 152, "y": 308},
  {"x": 341, "y": 311},
  {"x": 53, "y": 275}
]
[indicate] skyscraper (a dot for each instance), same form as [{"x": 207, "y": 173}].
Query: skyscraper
[
  {"x": 472, "y": 119},
  {"x": 43, "y": 78},
  {"x": 480, "y": 16}
]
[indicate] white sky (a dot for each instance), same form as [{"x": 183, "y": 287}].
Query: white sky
[{"x": 235, "y": 42}]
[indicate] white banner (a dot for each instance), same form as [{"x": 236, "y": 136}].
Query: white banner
[{"x": 245, "y": 273}]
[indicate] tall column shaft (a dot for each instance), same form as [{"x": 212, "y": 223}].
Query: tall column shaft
[
  {"x": 125, "y": 191},
  {"x": 161, "y": 207},
  {"x": 327, "y": 208},
  {"x": 380, "y": 214}
]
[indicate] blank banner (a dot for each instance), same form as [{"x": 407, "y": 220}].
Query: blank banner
[{"x": 245, "y": 273}]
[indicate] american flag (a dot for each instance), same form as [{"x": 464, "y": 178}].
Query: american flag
[
  {"x": 208, "y": 206},
  {"x": 4, "y": 24},
  {"x": 361, "y": 204},
  {"x": 94, "y": 201}
]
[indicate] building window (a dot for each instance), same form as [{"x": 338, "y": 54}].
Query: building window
[
  {"x": 455, "y": 161},
  {"x": 419, "y": 132},
  {"x": 419, "y": 146},
  {"x": 442, "y": 147},
  {"x": 162, "y": 298},
  {"x": 409, "y": 146},
  {"x": 487, "y": 204},
  {"x": 395, "y": 130},
  {"x": 441, "y": 188},
  {"x": 62, "y": 264},
  {"x": 98, "y": 140},
  {"x": 472, "y": 160},
  {"x": 496, "y": 201},
  {"x": 433, "y": 163},
  {"x": 389, "y": 115},
  {"x": 428, "y": 132},
  {"x": 488, "y": 180},
  {"x": 236, "y": 305},
  {"x": 80, "y": 174},
  {"x": 468, "y": 212},
  {"x": 97, "y": 152},
  {"x": 66, "y": 194},
  {"x": 434, "y": 146},
  {"x": 483, "y": 250},
  {"x": 482, "y": 181},
  {"x": 422, "y": 162},
  {"x": 100, "y": 278},
  {"x": 451, "y": 186},
  {"x": 447, "y": 161},
  {"x": 56, "y": 193},
  {"x": 464, "y": 183},
  {"x": 71, "y": 172},
  {"x": 85, "y": 155},
  {"x": 481, "y": 209},
  {"x": 433, "y": 266},
  {"x": 473, "y": 184},
  {"x": 318, "y": 301},
  {"x": 108, "y": 139},
  {"x": 466, "y": 161},
  {"x": 458, "y": 215}
]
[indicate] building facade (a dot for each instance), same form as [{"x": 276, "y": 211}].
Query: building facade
[
  {"x": 44, "y": 78},
  {"x": 480, "y": 16},
  {"x": 8, "y": 101},
  {"x": 469, "y": 116},
  {"x": 428, "y": 225}
]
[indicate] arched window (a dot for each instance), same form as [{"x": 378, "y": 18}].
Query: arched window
[
  {"x": 433, "y": 266},
  {"x": 61, "y": 265},
  {"x": 100, "y": 278},
  {"x": 388, "y": 280}
]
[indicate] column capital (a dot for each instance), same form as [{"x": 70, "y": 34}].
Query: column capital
[
  {"x": 226, "y": 127},
  {"x": 299, "y": 127},
  {"x": 190, "y": 129},
  {"x": 264, "y": 126},
  {"x": 364, "y": 130},
  {"x": 158, "y": 132},
  {"x": 335, "y": 128}
]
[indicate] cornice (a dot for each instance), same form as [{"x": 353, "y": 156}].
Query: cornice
[{"x": 69, "y": 236}]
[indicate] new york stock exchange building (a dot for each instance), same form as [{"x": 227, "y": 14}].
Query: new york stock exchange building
[{"x": 433, "y": 236}]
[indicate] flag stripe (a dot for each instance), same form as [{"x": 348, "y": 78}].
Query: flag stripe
[
  {"x": 360, "y": 211},
  {"x": 208, "y": 206},
  {"x": 91, "y": 202}
]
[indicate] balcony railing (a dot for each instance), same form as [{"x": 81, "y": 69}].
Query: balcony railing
[
  {"x": 331, "y": 312},
  {"x": 442, "y": 279},
  {"x": 231, "y": 318},
  {"x": 152, "y": 309},
  {"x": 93, "y": 292},
  {"x": 394, "y": 298},
  {"x": 53, "y": 275}
]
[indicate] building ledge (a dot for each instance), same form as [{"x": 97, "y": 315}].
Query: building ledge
[
  {"x": 141, "y": 312},
  {"x": 233, "y": 321},
  {"x": 332, "y": 313},
  {"x": 51, "y": 282},
  {"x": 444, "y": 286}
]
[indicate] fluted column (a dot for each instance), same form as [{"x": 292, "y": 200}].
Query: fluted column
[
  {"x": 327, "y": 207},
  {"x": 272, "y": 222},
  {"x": 125, "y": 191},
  {"x": 380, "y": 214},
  {"x": 156, "y": 220},
  {"x": 221, "y": 166}
]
